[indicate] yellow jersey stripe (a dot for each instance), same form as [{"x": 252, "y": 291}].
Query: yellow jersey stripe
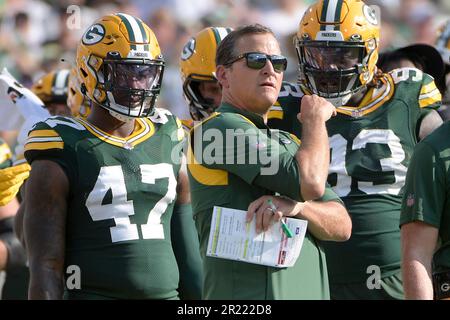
[
  {"x": 43, "y": 133},
  {"x": 44, "y": 146},
  {"x": 274, "y": 114},
  {"x": 187, "y": 125},
  {"x": 376, "y": 103},
  {"x": 203, "y": 175},
  {"x": 104, "y": 135},
  {"x": 144, "y": 129},
  {"x": 428, "y": 88},
  {"x": 295, "y": 138},
  {"x": 433, "y": 93},
  {"x": 430, "y": 101},
  {"x": 147, "y": 133}
]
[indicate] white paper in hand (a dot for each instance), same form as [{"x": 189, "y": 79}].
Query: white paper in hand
[
  {"x": 231, "y": 238},
  {"x": 17, "y": 103},
  {"x": 20, "y": 109}
]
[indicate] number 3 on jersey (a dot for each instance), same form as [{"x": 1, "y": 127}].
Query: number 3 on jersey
[
  {"x": 111, "y": 178},
  {"x": 343, "y": 170}
]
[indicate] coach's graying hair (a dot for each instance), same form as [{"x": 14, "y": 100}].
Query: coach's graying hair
[{"x": 226, "y": 50}]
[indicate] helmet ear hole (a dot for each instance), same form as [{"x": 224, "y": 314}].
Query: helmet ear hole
[{"x": 84, "y": 73}]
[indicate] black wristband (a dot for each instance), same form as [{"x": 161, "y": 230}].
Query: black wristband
[{"x": 16, "y": 253}]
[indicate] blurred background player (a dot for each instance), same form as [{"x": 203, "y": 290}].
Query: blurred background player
[
  {"x": 201, "y": 89},
  {"x": 52, "y": 90}
]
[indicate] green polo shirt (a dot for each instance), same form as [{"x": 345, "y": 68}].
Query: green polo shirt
[
  {"x": 234, "y": 159},
  {"x": 427, "y": 191}
]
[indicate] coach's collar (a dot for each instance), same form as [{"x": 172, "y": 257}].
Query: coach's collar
[{"x": 253, "y": 117}]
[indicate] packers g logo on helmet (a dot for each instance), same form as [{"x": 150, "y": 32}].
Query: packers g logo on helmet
[
  {"x": 188, "y": 49},
  {"x": 197, "y": 64},
  {"x": 370, "y": 15},
  {"x": 94, "y": 34},
  {"x": 337, "y": 47},
  {"x": 120, "y": 66}
]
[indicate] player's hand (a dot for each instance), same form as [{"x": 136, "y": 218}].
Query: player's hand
[
  {"x": 10, "y": 181},
  {"x": 315, "y": 108},
  {"x": 268, "y": 212}
]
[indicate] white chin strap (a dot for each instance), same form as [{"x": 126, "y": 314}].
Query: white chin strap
[{"x": 120, "y": 117}]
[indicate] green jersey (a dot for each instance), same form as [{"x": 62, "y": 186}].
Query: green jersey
[
  {"x": 5, "y": 155},
  {"x": 120, "y": 203},
  {"x": 226, "y": 168},
  {"x": 371, "y": 146},
  {"x": 427, "y": 193}
]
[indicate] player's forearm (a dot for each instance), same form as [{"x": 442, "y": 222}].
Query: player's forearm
[
  {"x": 418, "y": 243},
  {"x": 45, "y": 247},
  {"x": 46, "y": 283},
  {"x": 313, "y": 158},
  {"x": 417, "y": 283},
  {"x": 44, "y": 229},
  {"x": 327, "y": 220},
  {"x": 46, "y": 259}
]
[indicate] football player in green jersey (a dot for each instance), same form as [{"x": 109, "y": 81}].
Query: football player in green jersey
[
  {"x": 380, "y": 119},
  {"x": 425, "y": 219},
  {"x": 52, "y": 90},
  {"x": 103, "y": 191},
  {"x": 250, "y": 70}
]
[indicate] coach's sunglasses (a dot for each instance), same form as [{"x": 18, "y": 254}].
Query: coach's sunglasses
[{"x": 257, "y": 60}]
